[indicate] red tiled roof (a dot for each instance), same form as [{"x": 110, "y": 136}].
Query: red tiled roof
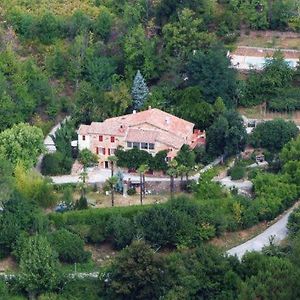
[
  {"x": 157, "y": 118},
  {"x": 83, "y": 129},
  {"x": 171, "y": 130},
  {"x": 140, "y": 135}
]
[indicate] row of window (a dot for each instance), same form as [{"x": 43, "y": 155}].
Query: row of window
[
  {"x": 143, "y": 146},
  {"x": 105, "y": 151},
  {"x": 112, "y": 138}
]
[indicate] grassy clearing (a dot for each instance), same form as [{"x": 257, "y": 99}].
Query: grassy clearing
[
  {"x": 100, "y": 200},
  {"x": 58, "y": 7}
]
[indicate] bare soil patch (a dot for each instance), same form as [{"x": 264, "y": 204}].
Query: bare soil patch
[
  {"x": 270, "y": 39},
  {"x": 258, "y": 112}
]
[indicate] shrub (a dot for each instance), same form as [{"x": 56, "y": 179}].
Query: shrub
[
  {"x": 273, "y": 135},
  {"x": 158, "y": 225},
  {"x": 294, "y": 222},
  {"x": 131, "y": 191},
  {"x": 121, "y": 230},
  {"x": 69, "y": 246},
  {"x": 237, "y": 172},
  {"x": 56, "y": 164},
  {"x": 81, "y": 203}
]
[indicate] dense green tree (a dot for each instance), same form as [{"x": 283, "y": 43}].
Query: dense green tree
[
  {"x": 136, "y": 273},
  {"x": 226, "y": 135},
  {"x": 121, "y": 230},
  {"x": 103, "y": 24},
  {"x": 140, "y": 54},
  {"x": 118, "y": 99},
  {"x": 99, "y": 71},
  {"x": 186, "y": 157},
  {"x": 38, "y": 267},
  {"x": 273, "y": 278},
  {"x": 48, "y": 28},
  {"x": 211, "y": 71},
  {"x": 89, "y": 104},
  {"x": 22, "y": 143},
  {"x": 6, "y": 180},
  {"x": 68, "y": 246},
  {"x": 202, "y": 113},
  {"x": 133, "y": 158},
  {"x": 17, "y": 216},
  {"x": 87, "y": 158},
  {"x": 158, "y": 225},
  {"x": 273, "y": 135},
  {"x": 159, "y": 162},
  {"x": 211, "y": 277},
  {"x": 79, "y": 23},
  {"x": 263, "y": 86},
  {"x": 186, "y": 35},
  {"x": 34, "y": 187},
  {"x": 291, "y": 151}
]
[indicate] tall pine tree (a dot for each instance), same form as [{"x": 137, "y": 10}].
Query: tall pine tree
[{"x": 140, "y": 91}]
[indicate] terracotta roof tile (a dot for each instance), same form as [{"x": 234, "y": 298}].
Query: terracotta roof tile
[
  {"x": 171, "y": 130},
  {"x": 140, "y": 135},
  {"x": 83, "y": 129}
]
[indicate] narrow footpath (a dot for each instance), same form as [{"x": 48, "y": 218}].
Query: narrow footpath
[{"x": 278, "y": 230}]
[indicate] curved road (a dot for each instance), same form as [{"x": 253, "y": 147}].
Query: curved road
[{"x": 278, "y": 230}]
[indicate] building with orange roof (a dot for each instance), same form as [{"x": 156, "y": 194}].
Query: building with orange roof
[{"x": 151, "y": 130}]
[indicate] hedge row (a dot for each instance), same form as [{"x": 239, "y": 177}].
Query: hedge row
[{"x": 93, "y": 216}]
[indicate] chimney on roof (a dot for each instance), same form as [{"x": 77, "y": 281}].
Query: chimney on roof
[
  {"x": 149, "y": 107},
  {"x": 167, "y": 120},
  {"x": 134, "y": 111}
]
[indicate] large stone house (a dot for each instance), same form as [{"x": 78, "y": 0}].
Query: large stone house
[{"x": 151, "y": 130}]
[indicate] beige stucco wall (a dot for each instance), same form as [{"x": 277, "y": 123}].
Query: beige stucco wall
[{"x": 92, "y": 142}]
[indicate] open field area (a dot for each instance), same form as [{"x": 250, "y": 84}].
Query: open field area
[
  {"x": 100, "y": 200},
  {"x": 257, "y": 112}
]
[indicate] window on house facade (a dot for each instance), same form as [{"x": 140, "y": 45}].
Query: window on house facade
[
  {"x": 151, "y": 146},
  {"x": 97, "y": 150},
  {"x": 83, "y": 137},
  {"x": 103, "y": 151},
  {"x": 136, "y": 145},
  {"x": 112, "y": 139},
  {"x": 112, "y": 151},
  {"x": 100, "y": 138},
  {"x": 144, "y": 146},
  {"x": 129, "y": 144},
  {"x": 108, "y": 151}
]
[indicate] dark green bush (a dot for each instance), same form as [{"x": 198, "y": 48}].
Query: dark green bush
[
  {"x": 69, "y": 246},
  {"x": 121, "y": 230},
  {"x": 158, "y": 225},
  {"x": 131, "y": 191},
  {"x": 237, "y": 172},
  {"x": 81, "y": 203},
  {"x": 56, "y": 164},
  {"x": 294, "y": 222}
]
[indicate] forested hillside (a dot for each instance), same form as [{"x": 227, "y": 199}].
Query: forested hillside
[{"x": 80, "y": 57}]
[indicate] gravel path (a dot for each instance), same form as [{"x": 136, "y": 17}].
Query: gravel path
[{"x": 278, "y": 230}]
